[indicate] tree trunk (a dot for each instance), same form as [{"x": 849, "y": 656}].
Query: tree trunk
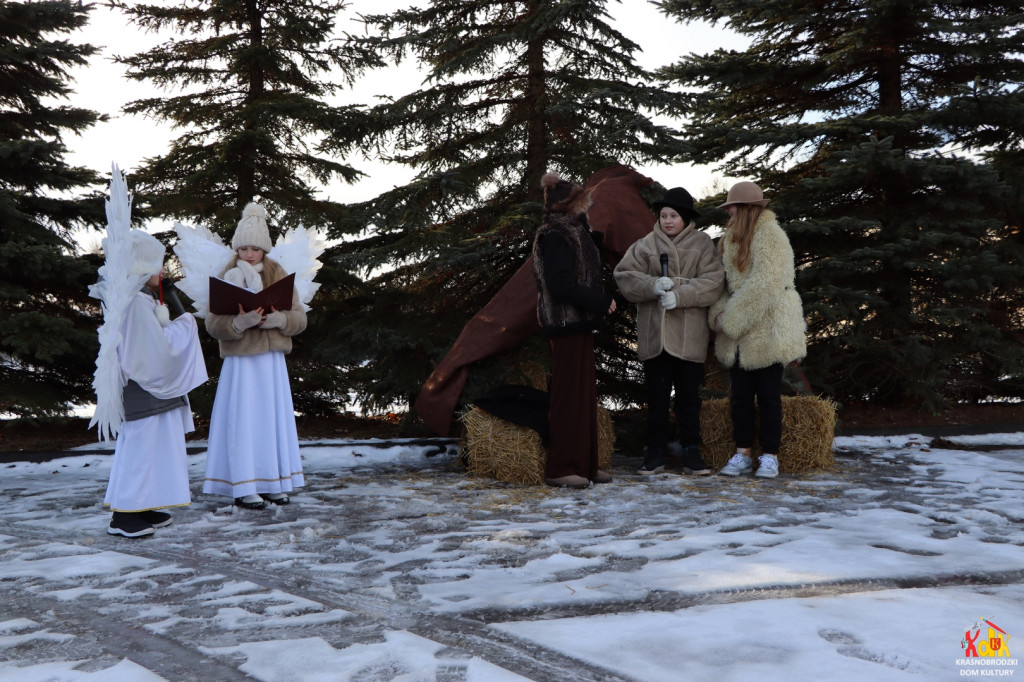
[
  {"x": 895, "y": 279},
  {"x": 536, "y": 125},
  {"x": 247, "y": 155}
]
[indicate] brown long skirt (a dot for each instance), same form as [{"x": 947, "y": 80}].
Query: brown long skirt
[{"x": 573, "y": 413}]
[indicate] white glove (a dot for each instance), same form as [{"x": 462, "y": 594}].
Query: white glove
[
  {"x": 668, "y": 300},
  {"x": 247, "y": 320},
  {"x": 663, "y": 284},
  {"x": 275, "y": 320}
]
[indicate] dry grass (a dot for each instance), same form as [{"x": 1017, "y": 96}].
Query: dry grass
[
  {"x": 515, "y": 454},
  {"x": 808, "y": 426}
]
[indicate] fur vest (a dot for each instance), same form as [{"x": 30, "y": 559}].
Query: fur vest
[
  {"x": 695, "y": 268},
  {"x": 762, "y": 316},
  {"x": 254, "y": 341},
  {"x": 567, "y": 267}
]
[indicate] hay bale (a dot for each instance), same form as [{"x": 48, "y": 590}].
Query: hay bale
[
  {"x": 605, "y": 438},
  {"x": 808, "y": 427},
  {"x": 499, "y": 449},
  {"x": 536, "y": 374}
]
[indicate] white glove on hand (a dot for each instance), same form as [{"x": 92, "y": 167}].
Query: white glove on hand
[
  {"x": 663, "y": 284},
  {"x": 668, "y": 300},
  {"x": 247, "y": 320},
  {"x": 275, "y": 320}
]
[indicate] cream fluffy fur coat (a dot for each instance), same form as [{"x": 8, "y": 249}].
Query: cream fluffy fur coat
[{"x": 762, "y": 316}]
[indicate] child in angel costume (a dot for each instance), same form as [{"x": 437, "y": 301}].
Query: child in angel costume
[
  {"x": 146, "y": 367},
  {"x": 253, "y": 452}
]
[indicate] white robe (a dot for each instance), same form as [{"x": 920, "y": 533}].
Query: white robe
[
  {"x": 254, "y": 446},
  {"x": 150, "y": 469}
]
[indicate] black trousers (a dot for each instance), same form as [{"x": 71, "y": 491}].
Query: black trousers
[
  {"x": 766, "y": 385},
  {"x": 661, "y": 375}
]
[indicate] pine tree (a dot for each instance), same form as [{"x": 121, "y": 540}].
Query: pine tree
[
  {"x": 254, "y": 87},
  {"x": 48, "y": 324},
  {"x": 513, "y": 88},
  {"x": 252, "y": 82},
  {"x": 873, "y": 125}
]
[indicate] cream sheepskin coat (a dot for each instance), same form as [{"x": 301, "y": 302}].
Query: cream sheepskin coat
[
  {"x": 699, "y": 281},
  {"x": 762, "y": 316},
  {"x": 255, "y": 340}
]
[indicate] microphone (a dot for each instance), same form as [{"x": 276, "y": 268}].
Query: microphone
[
  {"x": 664, "y": 264},
  {"x": 171, "y": 297}
]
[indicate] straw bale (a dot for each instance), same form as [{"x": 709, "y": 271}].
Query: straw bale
[
  {"x": 499, "y": 449},
  {"x": 605, "y": 438},
  {"x": 808, "y": 427},
  {"x": 537, "y": 374}
]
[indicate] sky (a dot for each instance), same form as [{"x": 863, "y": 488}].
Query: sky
[
  {"x": 127, "y": 140},
  {"x": 393, "y": 564}
]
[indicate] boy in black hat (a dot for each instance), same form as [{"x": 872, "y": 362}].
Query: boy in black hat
[{"x": 673, "y": 274}]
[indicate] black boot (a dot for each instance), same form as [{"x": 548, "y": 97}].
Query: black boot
[
  {"x": 654, "y": 462},
  {"x": 157, "y": 519},
  {"x": 693, "y": 463},
  {"x": 130, "y": 525}
]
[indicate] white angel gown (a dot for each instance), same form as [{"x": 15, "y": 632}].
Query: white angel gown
[
  {"x": 253, "y": 417},
  {"x": 150, "y": 467}
]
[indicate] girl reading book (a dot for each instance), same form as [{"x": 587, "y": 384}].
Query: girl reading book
[{"x": 253, "y": 453}]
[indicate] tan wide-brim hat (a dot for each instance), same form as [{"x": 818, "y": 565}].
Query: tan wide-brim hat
[{"x": 745, "y": 192}]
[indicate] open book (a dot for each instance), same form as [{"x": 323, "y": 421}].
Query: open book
[{"x": 225, "y": 296}]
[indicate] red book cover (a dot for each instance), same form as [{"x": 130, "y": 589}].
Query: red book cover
[{"x": 225, "y": 296}]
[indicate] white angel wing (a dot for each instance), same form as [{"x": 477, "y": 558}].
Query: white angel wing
[
  {"x": 115, "y": 289},
  {"x": 202, "y": 255},
  {"x": 298, "y": 250}
]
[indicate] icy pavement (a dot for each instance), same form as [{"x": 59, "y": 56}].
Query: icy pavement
[{"x": 394, "y": 565}]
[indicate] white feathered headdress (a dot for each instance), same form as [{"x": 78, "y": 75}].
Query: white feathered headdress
[
  {"x": 130, "y": 258},
  {"x": 204, "y": 255}
]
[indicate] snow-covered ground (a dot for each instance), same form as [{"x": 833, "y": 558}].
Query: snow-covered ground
[{"x": 392, "y": 564}]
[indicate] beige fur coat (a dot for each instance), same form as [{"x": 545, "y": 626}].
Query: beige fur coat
[
  {"x": 255, "y": 340},
  {"x": 699, "y": 281},
  {"x": 762, "y": 316}
]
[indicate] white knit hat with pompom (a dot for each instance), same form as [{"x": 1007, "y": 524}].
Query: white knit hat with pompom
[
  {"x": 252, "y": 229},
  {"x": 147, "y": 254}
]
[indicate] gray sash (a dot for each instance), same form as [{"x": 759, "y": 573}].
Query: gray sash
[{"x": 138, "y": 404}]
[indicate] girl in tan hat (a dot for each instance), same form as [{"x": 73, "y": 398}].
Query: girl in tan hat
[
  {"x": 760, "y": 325},
  {"x": 253, "y": 452}
]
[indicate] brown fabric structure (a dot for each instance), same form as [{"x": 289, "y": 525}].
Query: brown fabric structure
[{"x": 510, "y": 318}]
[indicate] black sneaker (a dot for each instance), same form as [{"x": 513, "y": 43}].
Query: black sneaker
[
  {"x": 654, "y": 463},
  {"x": 130, "y": 525},
  {"x": 693, "y": 463},
  {"x": 157, "y": 519}
]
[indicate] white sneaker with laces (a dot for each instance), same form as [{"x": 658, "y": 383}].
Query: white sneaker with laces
[
  {"x": 767, "y": 466},
  {"x": 737, "y": 464}
]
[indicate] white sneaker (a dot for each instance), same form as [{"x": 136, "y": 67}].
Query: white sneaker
[
  {"x": 737, "y": 464},
  {"x": 767, "y": 466}
]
